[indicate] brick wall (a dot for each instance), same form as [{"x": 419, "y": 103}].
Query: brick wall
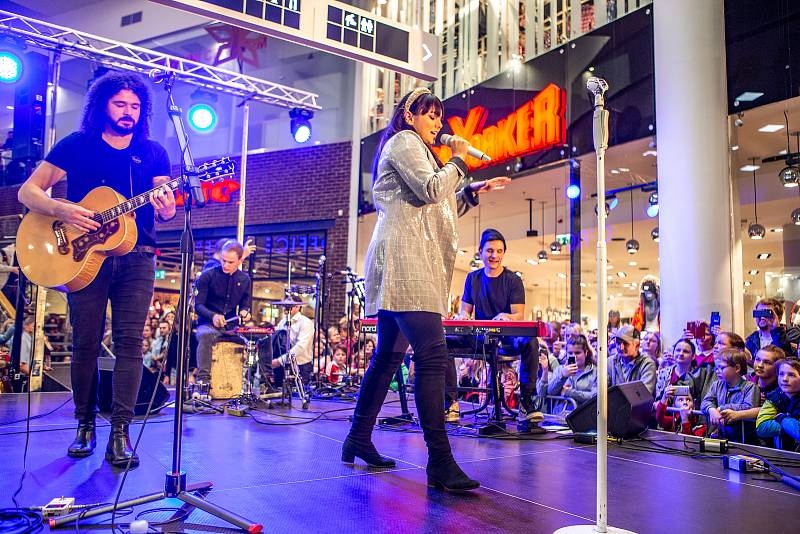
[{"x": 301, "y": 184}]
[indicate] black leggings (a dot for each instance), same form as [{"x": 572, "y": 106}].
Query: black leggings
[{"x": 396, "y": 330}]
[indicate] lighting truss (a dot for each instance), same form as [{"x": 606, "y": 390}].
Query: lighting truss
[{"x": 125, "y": 56}]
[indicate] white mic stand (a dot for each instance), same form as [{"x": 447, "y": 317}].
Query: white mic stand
[{"x": 597, "y": 87}]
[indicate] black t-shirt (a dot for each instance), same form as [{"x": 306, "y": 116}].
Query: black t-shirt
[
  {"x": 491, "y": 296},
  {"x": 91, "y": 162}
]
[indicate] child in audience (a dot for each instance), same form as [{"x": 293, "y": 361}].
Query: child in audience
[
  {"x": 577, "y": 378},
  {"x": 684, "y": 421},
  {"x": 780, "y": 415},
  {"x": 336, "y": 367},
  {"x": 730, "y": 395},
  {"x": 683, "y": 372}
]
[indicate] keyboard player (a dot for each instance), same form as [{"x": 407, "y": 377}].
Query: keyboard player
[{"x": 495, "y": 293}]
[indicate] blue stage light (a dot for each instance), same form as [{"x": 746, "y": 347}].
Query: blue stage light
[
  {"x": 652, "y": 210},
  {"x": 300, "y": 124},
  {"x": 10, "y": 67},
  {"x": 202, "y": 118},
  {"x": 573, "y": 191}
]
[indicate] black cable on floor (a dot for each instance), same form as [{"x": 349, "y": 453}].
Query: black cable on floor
[
  {"x": 37, "y": 416},
  {"x": 17, "y": 521}
]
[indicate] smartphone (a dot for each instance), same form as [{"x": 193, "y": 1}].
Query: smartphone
[
  {"x": 715, "y": 320},
  {"x": 570, "y": 360},
  {"x": 682, "y": 391},
  {"x": 762, "y": 313}
]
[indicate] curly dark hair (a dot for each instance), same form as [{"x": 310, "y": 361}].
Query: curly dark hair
[{"x": 94, "y": 117}]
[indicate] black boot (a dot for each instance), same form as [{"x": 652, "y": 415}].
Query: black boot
[
  {"x": 366, "y": 451},
  {"x": 85, "y": 440},
  {"x": 119, "y": 449},
  {"x": 445, "y": 474}
]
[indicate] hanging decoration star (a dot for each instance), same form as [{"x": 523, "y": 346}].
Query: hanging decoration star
[{"x": 236, "y": 44}]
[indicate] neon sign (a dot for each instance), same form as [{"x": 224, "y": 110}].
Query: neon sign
[
  {"x": 537, "y": 125},
  {"x": 218, "y": 192}
]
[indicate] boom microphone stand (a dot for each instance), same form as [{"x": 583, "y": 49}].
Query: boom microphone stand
[{"x": 175, "y": 485}]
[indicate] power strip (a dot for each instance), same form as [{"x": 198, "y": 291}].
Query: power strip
[{"x": 743, "y": 464}]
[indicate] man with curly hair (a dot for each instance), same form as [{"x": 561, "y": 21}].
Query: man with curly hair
[{"x": 112, "y": 149}]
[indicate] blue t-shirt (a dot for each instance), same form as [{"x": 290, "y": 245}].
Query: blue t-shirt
[
  {"x": 90, "y": 162},
  {"x": 491, "y": 296}
]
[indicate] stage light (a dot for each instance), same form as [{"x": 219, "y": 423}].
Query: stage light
[
  {"x": 300, "y": 124},
  {"x": 555, "y": 248},
  {"x": 10, "y": 67},
  {"x": 542, "y": 256},
  {"x": 632, "y": 246},
  {"x": 573, "y": 191},
  {"x": 612, "y": 201},
  {"x": 789, "y": 176},
  {"x": 756, "y": 231},
  {"x": 202, "y": 117},
  {"x": 652, "y": 210}
]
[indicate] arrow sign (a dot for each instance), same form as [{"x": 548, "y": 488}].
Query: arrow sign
[{"x": 427, "y": 55}]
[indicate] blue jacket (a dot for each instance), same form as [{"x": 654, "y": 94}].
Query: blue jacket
[{"x": 779, "y": 339}]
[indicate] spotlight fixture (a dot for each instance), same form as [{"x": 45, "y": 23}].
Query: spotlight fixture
[
  {"x": 654, "y": 234},
  {"x": 789, "y": 176},
  {"x": 202, "y": 117},
  {"x": 300, "y": 124},
  {"x": 607, "y": 208},
  {"x": 573, "y": 191},
  {"x": 555, "y": 248},
  {"x": 613, "y": 201},
  {"x": 632, "y": 246},
  {"x": 652, "y": 208},
  {"x": 739, "y": 122},
  {"x": 10, "y": 67},
  {"x": 796, "y": 216},
  {"x": 542, "y": 256}
]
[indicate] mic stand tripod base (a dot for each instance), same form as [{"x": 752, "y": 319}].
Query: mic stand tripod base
[
  {"x": 590, "y": 529},
  {"x": 397, "y": 420}
]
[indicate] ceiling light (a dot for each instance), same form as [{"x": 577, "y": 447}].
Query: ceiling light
[
  {"x": 624, "y": 169},
  {"x": 573, "y": 191},
  {"x": 650, "y": 153},
  {"x": 542, "y": 256},
  {"x": 749, "y": 96},
  {"x": 614, "y": 171},
  {"x": 764, "y": 256},
  {"x": 462, "y": 252},
  {"x": 789, "y": 176},
  {"x": 621, "y": 274},
  {"x": 632, "y": 264},
  {"x": 555, "y": 248},
  {"x": 747, "y": 283},
  {"x": 583, "y": 284},
  {"x": 609, "y": 267},
  {"x": 771, "y": 128},
  {"x": 749, "y": 168},
  {"x": 654, "y": 234},
  {"x": 796, "y": 216},
  {"x": 734, "y": 148},
  {"x": 756, "y": 231},
  {"x": 652, "y": 210},
  {"x": 777, "y": 230},
  {"x": 531, "y": 261},
  {"x": 632, "y": 246},
  {"x": 752, "y": 272},
  {"x": 562, "y": 275}
]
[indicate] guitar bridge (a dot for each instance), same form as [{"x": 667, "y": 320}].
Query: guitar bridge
[{"x": 61, "y": 237}]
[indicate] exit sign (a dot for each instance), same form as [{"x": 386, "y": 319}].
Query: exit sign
[
  {"x": 161, "y": 274},
  {"x": 330, "y": 26},
  {"x": 564, "y": 239}
]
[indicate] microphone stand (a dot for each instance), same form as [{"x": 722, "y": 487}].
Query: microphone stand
[{"x": 175, "y": 485}]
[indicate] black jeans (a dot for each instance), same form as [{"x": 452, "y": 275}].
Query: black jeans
[
  {"x": 423, "y": 330},
  {"x": 526, "y": 347},
  {"x": 128, "y": 282}
]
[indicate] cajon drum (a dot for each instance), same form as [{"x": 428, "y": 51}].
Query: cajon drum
[{"x": 226, "y": 370}]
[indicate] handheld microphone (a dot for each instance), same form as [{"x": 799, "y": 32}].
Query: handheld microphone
[
  {"x": 159, "y": 76},
  {"x": 447, "y": 139},
  {"x": 597, "y": 88}
]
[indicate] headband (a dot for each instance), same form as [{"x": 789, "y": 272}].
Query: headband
[{"x": 416, "y": 93}]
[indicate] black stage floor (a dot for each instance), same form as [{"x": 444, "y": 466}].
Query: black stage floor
[{"x": 290, "y": 478}]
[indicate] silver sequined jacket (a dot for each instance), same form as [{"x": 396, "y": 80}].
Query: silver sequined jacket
[{"x": 410, "y": 259}]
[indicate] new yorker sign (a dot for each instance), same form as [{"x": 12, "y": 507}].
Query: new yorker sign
[{"x": 538, "y": 124}]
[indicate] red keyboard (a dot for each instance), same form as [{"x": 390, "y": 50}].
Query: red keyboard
[{"x": 455, "y": 327}]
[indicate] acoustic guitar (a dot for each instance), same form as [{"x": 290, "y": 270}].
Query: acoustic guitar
[{"x": 60, "y": 256}]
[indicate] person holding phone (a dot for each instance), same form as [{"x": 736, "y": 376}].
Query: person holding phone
[
  {"x": 577, "y": 378},
  {"x": 683, "y": 372},
  {"x": 768, "y": 314}
]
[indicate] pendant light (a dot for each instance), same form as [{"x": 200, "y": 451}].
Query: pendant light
[
  {"x": 555, "y": 246},
  {"x": 632, "y": 245},
  {"x": 542, "y": 256},
  {"x": 755, "y": 230},
  {"x": 789, "y": 175}
]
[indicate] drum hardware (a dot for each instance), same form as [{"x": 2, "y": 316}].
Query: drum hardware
[{"x": 292, "y": 369}]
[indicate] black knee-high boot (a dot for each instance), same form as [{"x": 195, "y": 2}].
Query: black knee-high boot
[
  {"x": 374, "y": 388},
  {"x": 429, "y": 385}
]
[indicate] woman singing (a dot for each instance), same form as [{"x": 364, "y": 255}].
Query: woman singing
[{"x": 409, "y": 266}]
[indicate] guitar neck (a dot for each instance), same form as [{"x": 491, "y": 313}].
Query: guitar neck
[{"x": 133, "y": 203}]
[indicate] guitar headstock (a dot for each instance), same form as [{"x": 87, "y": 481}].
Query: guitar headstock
[{"x": 215, "y": 169}]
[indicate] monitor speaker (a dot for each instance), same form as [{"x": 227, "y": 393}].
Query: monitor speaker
[
  {"x": 104, "y": 389},
  {"x": 629, "y": 409}
]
